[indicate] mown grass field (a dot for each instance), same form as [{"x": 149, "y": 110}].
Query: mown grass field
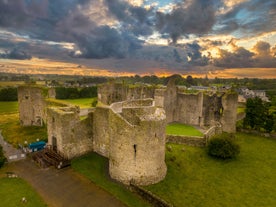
[
  {"x": 94, "y": 167},
  {"x": 81, "y": 102},
  {"x": 182, "y": 129},
  {"x": 12, "y": 190},
  {"x": 195, "y": 179},
  {"x": 7, "y": 107},
  {"x": 11, "y": 129}
]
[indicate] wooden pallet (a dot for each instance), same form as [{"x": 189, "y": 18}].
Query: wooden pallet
[{"x": 47, "y": 157}]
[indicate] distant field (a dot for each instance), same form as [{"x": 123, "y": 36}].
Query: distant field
[
  {"x": 182, "y": 129},
  {"x": 12, "y": 190},
  {"x": 17, "y": 83},
  {"x": 195, "y": 179},
  {"x": 11, "y": 83},
  {"x": 8, "y": 107},
  {"x": 81, "y": 102}
]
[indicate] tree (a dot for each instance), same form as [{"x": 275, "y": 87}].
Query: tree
[
  {"x": 2, "y": 157},
  {"x": 257, "y": 115},
  {"x": 190, "y": 80}
]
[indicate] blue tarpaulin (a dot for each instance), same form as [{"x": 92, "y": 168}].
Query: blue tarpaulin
[{"x": 36, "y": 146}]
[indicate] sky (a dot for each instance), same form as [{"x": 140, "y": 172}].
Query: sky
[{"x": 217, "y": 38}]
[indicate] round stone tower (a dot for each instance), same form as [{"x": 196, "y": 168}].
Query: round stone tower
[{"x": 137, "y": 147}]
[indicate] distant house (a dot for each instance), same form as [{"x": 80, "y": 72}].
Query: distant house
[{"x": 245, "y": 93}]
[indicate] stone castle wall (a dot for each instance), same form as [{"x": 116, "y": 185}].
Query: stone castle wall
[
  {"x": 31, "y": 102},
  {"x": 189, "y": 109},
  {"x": 117, "y": 92},
  {"x": 67, "y": 134},
  {"x": 200, "y": 109},
  {"x": 229, "y": 115}
]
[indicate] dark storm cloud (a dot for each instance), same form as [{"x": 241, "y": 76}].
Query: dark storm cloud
[
  {"x": 239, "y": 58},
  {"x": 195, "y": 55},
  {"x": 111, "y": 44},
  {"x": 134, "y": 19},
  {"x": 249, "y": 17},
  {"x": 67, "y": 21},
  {"x": 16, "y": 54},
  {"x": 197, "y": 18},
  {"x": 13, "y": 13}
]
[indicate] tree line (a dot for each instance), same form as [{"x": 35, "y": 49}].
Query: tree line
[
  {"x": 74, "y": 93},
  {"x": 8, "y": 94}
]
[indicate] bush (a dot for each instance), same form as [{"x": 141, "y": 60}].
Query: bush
[
  {"x": 2, "y": 157},
  {"x": 223, "y": 148}
]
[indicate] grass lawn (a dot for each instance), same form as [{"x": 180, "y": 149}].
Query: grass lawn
[
  {"x": 240, "y": 109},
  {"x": 11, "y": 129},
  {"x": 195, "y": 179},
  {"x": 7, "y": 107},
  {"x": 81, "y": 102},
  {"x": 182, "y": 129},
  {"x": 94, "y": 167},
  {"x": 12, "y": 190}
]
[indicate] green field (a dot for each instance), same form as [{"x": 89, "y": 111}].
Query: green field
[
  {"x": 94, "y": 167},
  {"x": 12, "y": 190},
  {"x": 81, "y": 102},
  {"x": 182, "y": 129},
  {"x": 195, "y": 179},
  {"x": 8, "y": 107},
  {"x": 11, "y": 129}
]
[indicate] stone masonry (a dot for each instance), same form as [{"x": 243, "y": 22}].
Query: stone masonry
[{"x": 32, "y": 104}]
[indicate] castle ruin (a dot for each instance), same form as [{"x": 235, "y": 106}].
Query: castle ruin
[
  {"x": 128, "y": 124},
  {"x": 204, "y": 109},
  {"x": 131, "y": 134}
]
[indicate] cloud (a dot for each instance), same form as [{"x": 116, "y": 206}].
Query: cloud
[
  {"x": 92, "y": 30},
  {"x": 239, "y": 58},
  {"x": 246, "y": 18},
  {"x": 262, "y": 56},
  {"x": 197, "y": 17},
  {"x": 262, "y": 48},
  {"x": 111, "y": 44},
  {"x": 133, "y": 19},
  {"x": 16, "y": 54}
]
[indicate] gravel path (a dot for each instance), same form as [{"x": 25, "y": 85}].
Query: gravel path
[
  {"x": 10, "y": 152},
  {"x": 65, "y": 187}
]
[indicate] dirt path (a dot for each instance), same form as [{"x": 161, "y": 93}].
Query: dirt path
[{"x": 64, "y": 188}]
